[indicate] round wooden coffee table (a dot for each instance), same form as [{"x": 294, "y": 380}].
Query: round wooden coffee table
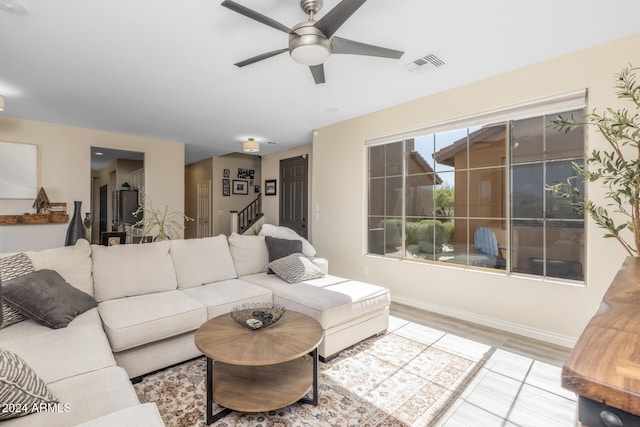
[{"x": 259, "y": 370}]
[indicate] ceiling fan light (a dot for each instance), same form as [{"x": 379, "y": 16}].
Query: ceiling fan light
[
  {"x": 310, "y": 54},
  {"x": 250, "y": 146}
]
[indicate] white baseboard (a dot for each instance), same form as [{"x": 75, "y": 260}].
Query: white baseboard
[{"x": 514, "y": 328}]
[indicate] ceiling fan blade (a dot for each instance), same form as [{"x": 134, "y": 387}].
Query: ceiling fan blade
[
  {"x": 317, "y": 71},
  {"x": 243, "y": 10},
  {"x": 337, "y": 16},
  {"x": 351, "y": 47},
  {"x": 260, "y": 57}
]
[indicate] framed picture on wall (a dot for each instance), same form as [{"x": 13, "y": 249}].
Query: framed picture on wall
[
  {"x": 18, "y": 170},
  {"x": 227, "y": 173},
  {"x": 226, "y": 187},
  {"x": 270, "y": 186},
  {"x": 240, "y": 187},
  {"x": 256, "y": 189}
]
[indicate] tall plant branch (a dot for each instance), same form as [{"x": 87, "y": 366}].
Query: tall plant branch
[
  {"x": 621, "y": 176},
  {"x": 168, "y": 223}
]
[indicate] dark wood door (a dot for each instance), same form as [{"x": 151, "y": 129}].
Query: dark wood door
[{"x": 294, "y": 194}]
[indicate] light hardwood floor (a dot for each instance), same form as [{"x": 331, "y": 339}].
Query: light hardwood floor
[
  {"x": 519, "y": 384},
  {"x": 539, "y": 350}
]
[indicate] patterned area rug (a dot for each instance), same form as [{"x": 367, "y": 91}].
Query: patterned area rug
[{"x": 388, "y": 380}]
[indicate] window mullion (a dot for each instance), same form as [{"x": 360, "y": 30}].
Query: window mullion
[
  {"x": 404, "y": 199},
  {"x": 507, "y": 186}
]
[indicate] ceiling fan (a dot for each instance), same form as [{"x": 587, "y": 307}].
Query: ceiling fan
[{"x": 311, "y": 42}]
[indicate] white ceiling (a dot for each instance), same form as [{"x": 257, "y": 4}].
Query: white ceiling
[{"x": 164, "y": 68}]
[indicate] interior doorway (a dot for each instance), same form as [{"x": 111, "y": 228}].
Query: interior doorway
[
  {"x": 113, "y": 171},
  {"x": 204, "y": 209},
  {"x": 294, "y": 194}
]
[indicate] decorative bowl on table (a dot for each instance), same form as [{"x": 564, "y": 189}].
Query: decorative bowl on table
[{"x": 257, "y": 316}]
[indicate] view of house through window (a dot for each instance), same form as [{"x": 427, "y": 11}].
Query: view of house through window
[{"x": 477, "y": 197}]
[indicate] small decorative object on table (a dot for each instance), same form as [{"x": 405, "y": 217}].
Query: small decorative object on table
[{"x": 257, "y": 316}]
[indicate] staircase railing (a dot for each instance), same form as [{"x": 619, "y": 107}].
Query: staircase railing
[{"x": 247, "y": 216}]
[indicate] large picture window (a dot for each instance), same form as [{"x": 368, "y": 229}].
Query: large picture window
[{"x": 477, "y": 196}]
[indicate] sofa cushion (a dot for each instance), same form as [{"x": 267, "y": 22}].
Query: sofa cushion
[
  {"x": 222, "y": 297},
  {"x": 13, "y": 266},
  {"x": 47, "y": 298},
  {"x": 20, "y": 387},
  {"x": 73, "y": 263},
  {"x": 200, "y": 261},
  {"x": 295, "y": 268},
  {"x": 249, "y": 253},
  {"x": 83, "y": 398},
  {"x": 273, "y": 282},
  {"x": 64, "y": 353},
  {"x": 128, "y": 270},
  {"x": 30, "y": 328},
  {"x": 145, "y": 415},
  {"x": 287, "y": 233},
  {"x": 133, "y": 321},
  {"x": 331, "y": 300}
]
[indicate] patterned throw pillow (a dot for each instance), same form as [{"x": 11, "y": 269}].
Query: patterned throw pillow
[
  {"x": 20, "y": 386},
  {"x": 295, "y": 268},
  {"x": 11, "y": 267}
]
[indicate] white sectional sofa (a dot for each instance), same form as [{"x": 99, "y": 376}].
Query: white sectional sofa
[{"x": 151, "y": 298}]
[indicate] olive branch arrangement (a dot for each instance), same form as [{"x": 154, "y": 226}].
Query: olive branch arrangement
[
  {"x": 618, "y": 169},
  {"x": 169, "y": 223}
]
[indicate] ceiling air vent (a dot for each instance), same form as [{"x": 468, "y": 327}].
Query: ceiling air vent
[{"x": 424, "y": 63}]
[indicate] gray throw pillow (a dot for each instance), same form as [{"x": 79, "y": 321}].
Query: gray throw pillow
[
  {"x": 280, "y": 248},
  {"x": 295, "y": 268},
  {"x": 45, "y": 297},
  {"x": 11, "y": 267},
  {"x": 20, "y": 387}
]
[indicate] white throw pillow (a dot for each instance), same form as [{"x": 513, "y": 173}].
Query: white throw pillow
[
  {"x": 287, "y": 233},
  {"x": 249, "y": 254},
  {"x": 201, "y": 261}
]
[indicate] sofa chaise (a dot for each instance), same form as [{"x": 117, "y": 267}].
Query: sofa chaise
[{"x": 149, "y": 301}]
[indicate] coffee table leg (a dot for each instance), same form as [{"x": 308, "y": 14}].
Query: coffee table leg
[
  {"x": 314, "y": 399},
  {"x": 211, "y": 417}
]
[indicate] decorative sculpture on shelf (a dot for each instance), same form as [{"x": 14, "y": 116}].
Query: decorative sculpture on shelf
[{"x": 42, "y": 204}]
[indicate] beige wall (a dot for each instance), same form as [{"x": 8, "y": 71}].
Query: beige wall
[
  {"x": 65, "y": 173},
  {"x": 552, "y": 311},
  {"x": 271, "y": 170}
]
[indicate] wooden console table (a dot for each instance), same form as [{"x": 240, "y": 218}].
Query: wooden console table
[{"x": 604, "y": 366}]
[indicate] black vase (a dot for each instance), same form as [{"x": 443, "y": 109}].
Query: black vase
[{"x": 76, "y": 227}]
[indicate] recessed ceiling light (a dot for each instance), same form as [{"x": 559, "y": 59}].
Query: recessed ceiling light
[
  {"x": 14, "y": 6},
  {"x": 332, "y": 109}
]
